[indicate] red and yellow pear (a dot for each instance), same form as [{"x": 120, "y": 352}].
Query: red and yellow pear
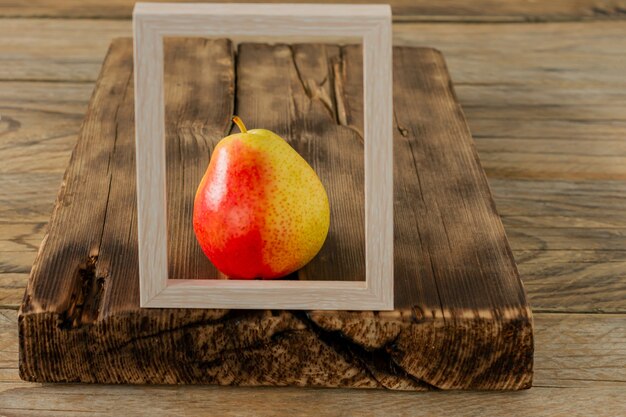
[{"x": 260, "y": 210}]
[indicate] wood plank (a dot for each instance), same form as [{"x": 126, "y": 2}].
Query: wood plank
[
  {"x": 573, "y": 148},
  {"x": 28, "y": 196},
  {"x": 198, "y": 111},
  {"x": 556, "y": 54},
  {"x": 581, "y": 350},
  {"x": 449, "y": 221},
  {"x": 43, "y": 154},
  {"x": 542, "y": 166},
  {"x": 298, "y": 87},
  {"x": 98, "y": 192},
  {"x": 403, "y": 10},
  {"x": 588, "y": 130},
  {"x": 56, "y": 50},
  {"x": 38, "y": 123},
  {"x": 580, "y": 364},
  {"x": 546, "y": 257},
  {"x": 86, "y": 279},
  {"x": 16, "y": 231},
  {"x": 12, "y": 287},
  {"x": 534, "y": 238},
  {"x": 553, "y": 159},
  {"x": 560, "y": 204},
  {"x": 592, "y": 97},
  {"x": 72, "y": 400},
  {"x": 19, "y": 245},
  {"x": 576, "y": 286},
  {"x": 17, "y": 262}
]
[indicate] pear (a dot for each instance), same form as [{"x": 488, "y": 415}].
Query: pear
[{"x": 260, "y": 210}]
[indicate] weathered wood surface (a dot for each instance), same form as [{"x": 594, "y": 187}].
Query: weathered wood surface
[
  {"x": 563, "y": 220},
  {"x": 316, "y": 88},
  {"x": 533, "y": 73},
  {"x": 403, "y": 10},
  {"x": 300, "y": 90},
  {"x": 196, "y": 87},
  {"x": 461, "y": 318},
  {"x": 580, "y": 370}
]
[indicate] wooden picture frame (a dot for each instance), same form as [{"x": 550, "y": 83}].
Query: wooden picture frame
[{"x": 372, "y": 25}]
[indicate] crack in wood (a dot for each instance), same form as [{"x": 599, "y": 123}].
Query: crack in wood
[
  {"x": 84, "y": 303},
  {"x": 312, "y": 90},
  {"x": 228, "y": 315},
  {"x": 378, "y": 363},
  {"x": 342, "y": 108},
  {"x": 402, "y": 130}
]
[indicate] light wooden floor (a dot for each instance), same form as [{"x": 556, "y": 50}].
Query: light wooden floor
[{"x": 543, "y": 85}]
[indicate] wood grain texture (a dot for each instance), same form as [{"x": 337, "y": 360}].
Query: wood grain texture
[
  {"x": 559, "y": 102},
  {"x": 450, "y": 329},
  {"x": 308, "y": 110},
  {"x": 56, "y": 50},
  {"x": 403, "y": 10},
  {"x": 564, "y": 111},
  {"x": 75, "y": 400},
  {"x": 580, "y": 370},
  {"x": 190, "y": 140}
]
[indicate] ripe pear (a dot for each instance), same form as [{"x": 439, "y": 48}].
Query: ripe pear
[{"x": 260, "y": 210}]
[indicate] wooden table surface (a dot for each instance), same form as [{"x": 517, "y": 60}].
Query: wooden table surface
[{"x": 543, "y": 85}]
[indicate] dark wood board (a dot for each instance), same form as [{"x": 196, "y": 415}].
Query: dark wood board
[
  {"x": 295, "y": 88},
  {"x": 461, "y": 319}
]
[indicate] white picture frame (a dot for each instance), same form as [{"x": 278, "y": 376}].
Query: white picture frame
[{"x": 369, "y": 23}]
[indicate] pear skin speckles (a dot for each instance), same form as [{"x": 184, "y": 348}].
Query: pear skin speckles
[{"x": 260, "y": 210}]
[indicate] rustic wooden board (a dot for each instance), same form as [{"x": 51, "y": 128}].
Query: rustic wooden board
[
  {"x": 461, "y": 318},
  {"x": 544, "y": 137},
  {"x": 585, "y": 377}
]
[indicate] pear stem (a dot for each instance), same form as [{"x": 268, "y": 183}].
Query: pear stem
[{"x": 239, "y": 123}]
